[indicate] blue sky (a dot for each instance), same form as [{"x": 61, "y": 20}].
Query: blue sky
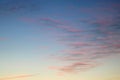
[{"x": 59, "y": 38}]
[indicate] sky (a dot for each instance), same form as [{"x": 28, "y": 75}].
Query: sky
[{"x": 60, "y": 39}]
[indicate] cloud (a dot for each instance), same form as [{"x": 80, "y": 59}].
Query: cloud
[
  {"x": 86, "y": 48},
  {"x": 77, "y": 66},
  {"x": 18, "y": 76},
  {"x": 10, "y": 7},
  {"x": 53, "y": 23},
  {"x": 50, "y": 20},
  {"x": 86, "y": 45}
]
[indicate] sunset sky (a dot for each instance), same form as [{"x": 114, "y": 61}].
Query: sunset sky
[{"x": 59, "y": 39}]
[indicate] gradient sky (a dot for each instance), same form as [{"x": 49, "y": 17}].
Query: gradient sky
[{"x": 59, "y": 39}]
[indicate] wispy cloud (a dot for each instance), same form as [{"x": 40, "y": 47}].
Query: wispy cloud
[
  {"x": 53, "y": 23},
  {"x": 87, "y": 48},
  {"x": 86, "y": 45},
  {"x": 9, "y": 7},
  {"x": 77, "y": 66},
  {"x": 18, "y": 76}
]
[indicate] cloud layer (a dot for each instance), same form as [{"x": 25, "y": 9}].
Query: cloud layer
[
  {"x": 18, "y": 76},
  {"x": 95, "y": 38},
  {"x": 88, "y": 47}
]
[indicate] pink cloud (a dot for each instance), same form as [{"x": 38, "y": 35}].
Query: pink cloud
[
  {"x": 85, "y": 47},
  {"x": 78, "y": 44},
  {"x": 62, "y": 25},
  {"x": 18, "y": 76},
  {"x": 75, "y": 52},
  {"x": 86, "y": 58},
  {"x": 54, "y": 21},
  {"x": 77, "y": 66}
]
